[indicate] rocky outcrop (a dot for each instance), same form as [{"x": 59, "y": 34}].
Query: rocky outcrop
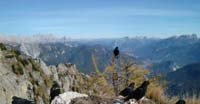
[
  {"x": 31, "y": 79},
  {"x": 66, "y": 97},
  {"x": 32, "y": 50},
  {"x": 12, "y": 84}
]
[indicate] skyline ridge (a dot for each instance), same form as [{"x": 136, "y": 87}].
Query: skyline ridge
[{"x": 56, "y": 38}]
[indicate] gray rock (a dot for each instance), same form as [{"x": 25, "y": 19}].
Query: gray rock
[{"x": 32, "y": 85}]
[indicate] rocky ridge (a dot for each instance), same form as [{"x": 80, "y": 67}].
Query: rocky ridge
[{"x": 31, "y": 79}]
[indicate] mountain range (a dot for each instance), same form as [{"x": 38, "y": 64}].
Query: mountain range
[
  {"x": 185, "y": 81},
  {"x": 175, "y": 57},
  {"x": 81, "y": 55},
  {"x": 159, "y": 55}
]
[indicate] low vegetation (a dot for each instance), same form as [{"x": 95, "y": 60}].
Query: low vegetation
[
  {"x": 40, "y": 91},
  {"x": 35, "y": 65},
  {"x": 47, "y": 80},
  {"x": 102, "y": 83},
  {"x": 17, "y": 68},
  {"x": 2, "y": 46},
  {"x": 22, "y": 60}
]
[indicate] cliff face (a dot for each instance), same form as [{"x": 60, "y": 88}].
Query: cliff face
[{"x": 31, "y": 79}]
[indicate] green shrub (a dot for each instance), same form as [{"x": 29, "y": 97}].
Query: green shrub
[
  {"x": 17, "y": 69},
  {"x": 35, "y": 65},
  {"x": 16, "y": 52},
  {"x": 23, "y": 61},
  {"x": 9, "y": 56},
  {"x": 2, "y": 46}
]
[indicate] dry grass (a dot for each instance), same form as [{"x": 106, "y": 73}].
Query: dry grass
[
  {"x": 157, "y": 94},
  {"x": 47, "y": 80},
  {"x": 192, "y": 100}
]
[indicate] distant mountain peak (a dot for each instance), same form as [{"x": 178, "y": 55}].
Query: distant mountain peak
[
  {"x": 37, "y": 38},
  {"x": 185, "y": 37}
]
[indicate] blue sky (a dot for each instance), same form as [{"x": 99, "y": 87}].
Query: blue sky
[{"x": 100, "y": 18}]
